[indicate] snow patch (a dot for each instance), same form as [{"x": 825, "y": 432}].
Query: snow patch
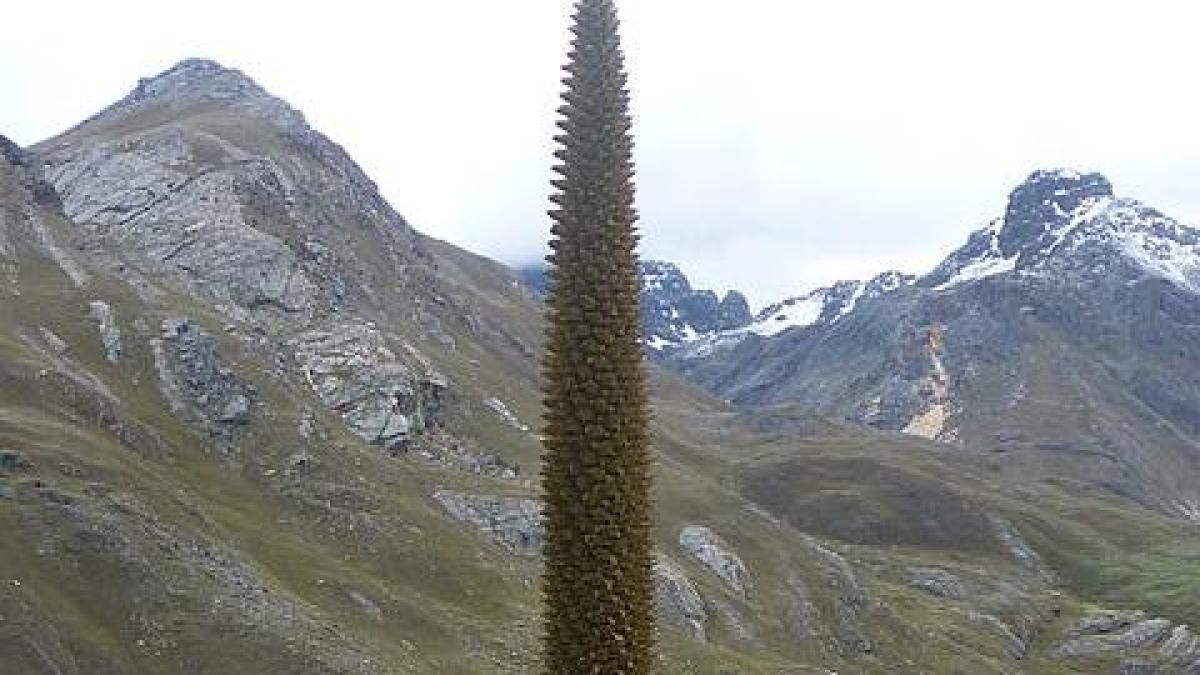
[
  {"x": 979, "y": 269},
  {"x": 797, "y": 312},
  {"x": 658, "y": 343},
  {"x": 987, "y": 265},
  {"x": 859, "y": 291},
  {"x": 1162, "y": 257},
  {"x": 1084, "y": 213}
]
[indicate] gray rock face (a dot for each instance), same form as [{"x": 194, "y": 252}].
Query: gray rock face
[
  {"x": 26, "y": 167},
  {"x": 711, "y": 550},
  {"x": 236, "y": 410},
  {"x": 679, "y": 603},
  {"x": 176, "y": 215},
  {"x": 1182, "y": 647},
  {"x": 354, "y": 372},
  {"x": 12, "y": 461},
  {"x": 512, "y": 522},
  {"x": 1043, "y": 203},
  {"x": 249, "y": 217},
  {"x": 672, "y": 309},
  {"x": 206, "y": 80},
  {"x": 195, "y": 381},
  {"x": 110, "y": 331},
  {"x": 938, "y": 582},
  {"x": 1113, "y": 632}
]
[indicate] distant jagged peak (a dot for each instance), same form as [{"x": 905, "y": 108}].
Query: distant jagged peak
[
  {"x": 665, "y": 277},
  {"x": 673, "y": 312},
  {"x": 1044, "y": 202},
  {"x": 1068, "y": 222}
]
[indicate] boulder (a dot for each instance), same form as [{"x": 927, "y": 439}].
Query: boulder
[
  {"x": 679, "y": 603},
  {"x": 714, "y": 553},
  {"x": 514, "y": 523}
]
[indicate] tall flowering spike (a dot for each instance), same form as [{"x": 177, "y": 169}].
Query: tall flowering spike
[{"x": 599, "y": 594}]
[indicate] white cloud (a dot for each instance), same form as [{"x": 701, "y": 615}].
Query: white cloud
[{"x": 781, "y": 144}]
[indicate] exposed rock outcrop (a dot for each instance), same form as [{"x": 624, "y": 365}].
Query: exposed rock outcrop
[
  {"x": 251, "y": 218},
  {"x": 1148, "y": 645},
  {"x": 12, "y": 461},
  {"x": 512, "y": 522},
  {"x": 1043, "y": 204},
  {"x": 679, "y": 603},
  {"x": 714, "y": 553},
  {"x": 354, "y": 372},
  {"x": 194, "y": 380},
  {"x": 938, "y": 582},
  {"x": 110, "y": 332},
  {"x": 673, "y": 311},
  {"x": 176, "y": 213}
]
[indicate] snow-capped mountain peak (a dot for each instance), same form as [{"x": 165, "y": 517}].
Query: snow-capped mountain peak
[
  {"x": 1065, "y": 221},
  {"x": 674, "y": 313}
]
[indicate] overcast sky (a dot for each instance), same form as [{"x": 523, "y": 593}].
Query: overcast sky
[{"x": 781, "y": 144}]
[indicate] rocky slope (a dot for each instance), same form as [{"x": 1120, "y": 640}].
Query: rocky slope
[
  {"x": 1062, "y": 334},
  {"x": 251, "y": 421}
]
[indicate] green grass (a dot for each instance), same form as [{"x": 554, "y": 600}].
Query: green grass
[{"x": 1163, "y": 582}]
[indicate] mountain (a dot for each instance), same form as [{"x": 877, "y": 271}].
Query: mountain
[
  {"x": 251, "y": 420},
  {"x": 1064, "y": 334},
  {"x": 673, "y": 313}
]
